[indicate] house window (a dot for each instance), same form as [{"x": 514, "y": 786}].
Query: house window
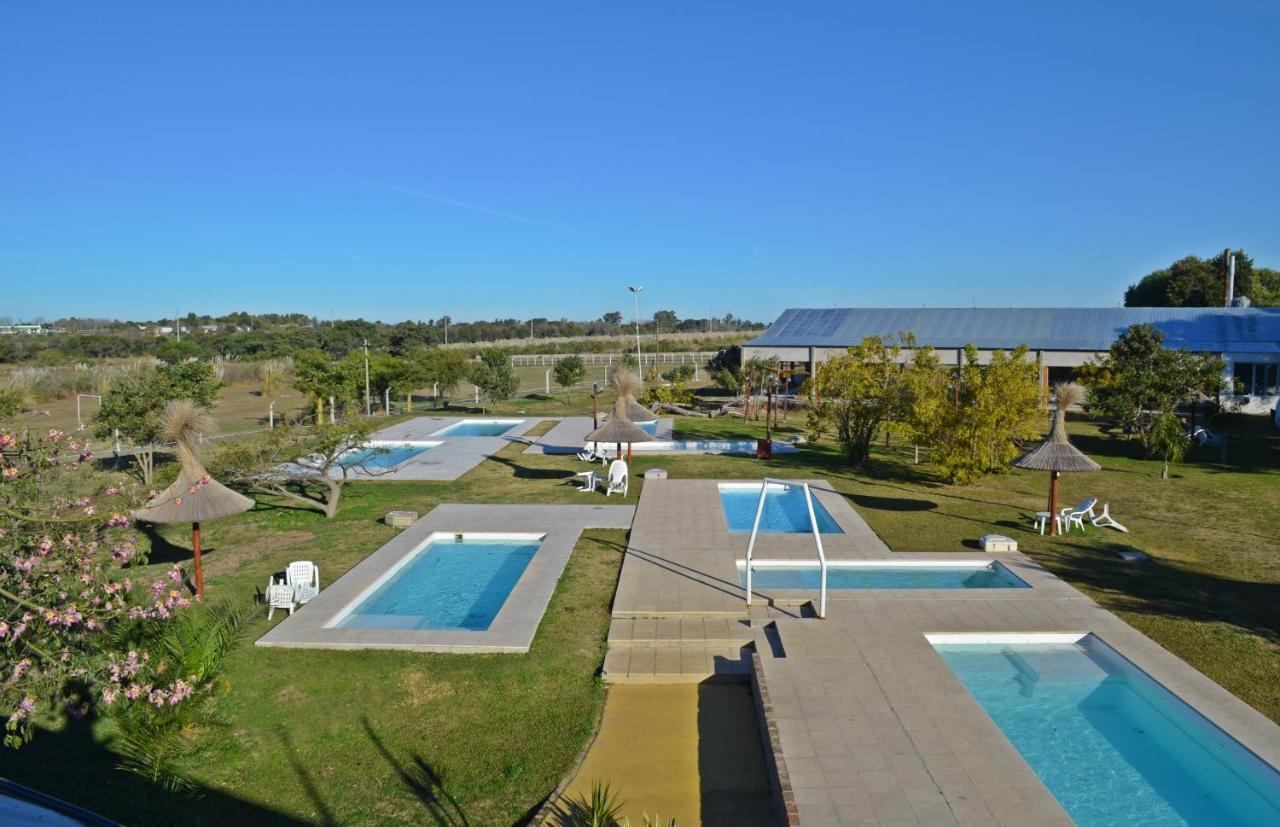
[{"x": 1257, "y": 378}]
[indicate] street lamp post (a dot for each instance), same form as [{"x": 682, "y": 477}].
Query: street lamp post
[{"x": 635, "y": 290}]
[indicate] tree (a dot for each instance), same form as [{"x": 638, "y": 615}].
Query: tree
[
  {"x": 1140, "y": 378},
  {"x": 665, "y": 320},
  {"x": 174, "y": 350},
  {"x": 70, "y": 606},
  {"x": 975, "y": 417},
  {"x": 612, "y": 318},
  {"x": 319, "y": 378},
  {"x": 680, "y": 373},
  {"x": 757, "y": 372},
  {"x": 410, "y": 373},
  {"x": 863, "y": 388},
  {"x": 494, "y": 376},
  {"x": 135, "y": 400},
  {"x": 1168, "y": 441},
  {"x": 569, "y": 371},
  {"x": 448, "y": 369},
  {"x": 305, "y": 465},
  {"x": 1197, "y": 282}
]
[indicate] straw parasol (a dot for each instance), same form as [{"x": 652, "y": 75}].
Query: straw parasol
[
  {"x": 619, "y": 429},
  {"x": 1056, "y": 454},
  {"x": 194, "y": 497},
  {"x": 626, "y": 384}
]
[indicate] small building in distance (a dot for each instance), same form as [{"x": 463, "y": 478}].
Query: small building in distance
[{"x": 1062, "y": 338}]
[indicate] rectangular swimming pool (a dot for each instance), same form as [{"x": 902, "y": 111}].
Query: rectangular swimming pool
[
  {"x": 784, "y": 512},
  {"x": 846, "y": 575},
  {"x": 458, "y": 583},
  {"x": 1110, "y": 743},
  {"x": 479, "y": 427},
  {"x": 650, "y": 428},
  {"x": 380, "y": 455}
]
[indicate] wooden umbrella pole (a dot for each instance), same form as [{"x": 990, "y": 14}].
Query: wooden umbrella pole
[
  {"x": 628, "y": 453},
  {"x": 1053, "y": 503},
  {"x": 195, "y": 547}
]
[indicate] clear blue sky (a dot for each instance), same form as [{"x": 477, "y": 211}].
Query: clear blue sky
[{"x": 403, "y": 160}]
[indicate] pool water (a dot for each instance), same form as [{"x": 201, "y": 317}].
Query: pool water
[
  {"x": 480, "y": 427},
  {"x": 784, "y": 512},
  {"x": 381, "y": 456},
  {"x": 994, "y": 576},
  {"x": 448, "y": 584},
  {"x": 650, "y": 428},
  {"x": 1112, "y": 745}
]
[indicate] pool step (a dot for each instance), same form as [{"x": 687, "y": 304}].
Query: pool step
[{"x": 673, "y": 631}]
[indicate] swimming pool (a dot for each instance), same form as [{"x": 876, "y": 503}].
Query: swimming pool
[
  {"x": 1111, "y": 744},
  {"x": 451, "y": 582},
  {"x": 479, "y": 427},
  {"x": 697, "y": 446},
  {"x": 380, "y": 454},
  {"x": 784, "y": 512},
  {"x": 650, "y": 428},
  {"x": 845, "y": 574}
]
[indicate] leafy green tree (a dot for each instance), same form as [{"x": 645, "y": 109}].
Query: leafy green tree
[
  {"x": 569, "y": 371},
  {"x": 318, "y": 377},
  {"x": 612, "y": 318},
  {"x": 863, "y": 389},
  {"x": 975, "y": 417},
  {"x": 494, "y": 376},
  {"x": 134, "y": 402},
  {"x": 1140, "y": 378},
  {"x": 173, "y": 350},
  {"x": 1168, "y": 441},
  {"x": 665, "y": 320},
  {"x": 679, "y": 373},
  {"x": 447, "y": 370},
  {"x": 1197, "y": 282}
]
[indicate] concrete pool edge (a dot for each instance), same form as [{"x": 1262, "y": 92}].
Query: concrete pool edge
[{"x": 515, "y": 625}]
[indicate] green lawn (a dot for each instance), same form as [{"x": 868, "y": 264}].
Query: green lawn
[{"x": 381, "y": 737}]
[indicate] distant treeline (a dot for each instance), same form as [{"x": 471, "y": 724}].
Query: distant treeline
[{"x": 245, "y": 337}]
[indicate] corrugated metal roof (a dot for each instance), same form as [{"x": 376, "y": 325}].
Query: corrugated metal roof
[{"x": 1217, "y": 329}]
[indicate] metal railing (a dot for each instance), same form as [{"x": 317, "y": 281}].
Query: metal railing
[{"x": 817, "y": 537}]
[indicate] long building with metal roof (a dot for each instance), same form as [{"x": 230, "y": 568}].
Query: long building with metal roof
[{"x": 1062, "y": 339}]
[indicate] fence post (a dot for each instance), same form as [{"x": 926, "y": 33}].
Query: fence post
[{"x": 548, "y": 380}]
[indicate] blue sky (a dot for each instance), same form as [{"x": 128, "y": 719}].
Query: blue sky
[{"x": 403, "y": 160}]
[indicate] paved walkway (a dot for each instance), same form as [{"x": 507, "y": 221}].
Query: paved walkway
[
  {"x": 452, "y": 456},
  {"x": 867, "y": 724},
  {"x": 691, "y": 753},
  {"x": 569, "y": 435}
]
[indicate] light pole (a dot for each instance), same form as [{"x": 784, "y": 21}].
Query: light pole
[
  {"x": 368, "y": 404},
  {"x": 635, "y": 290}
]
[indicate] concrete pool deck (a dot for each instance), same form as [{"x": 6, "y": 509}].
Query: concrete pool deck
[
  {"x": 569, "y": 436},
  {"x": 516, "y": 623},
  {"x": 453, "y": 456},
  {"x": 864, "y": 720}
]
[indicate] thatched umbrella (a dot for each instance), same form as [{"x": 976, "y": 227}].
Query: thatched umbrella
[
  {"x": 194, "y": 497},
  {"x": 619, "y": 429},
  {"x": 1056, "y": 454},
  {"x": 626, "y": 384}
]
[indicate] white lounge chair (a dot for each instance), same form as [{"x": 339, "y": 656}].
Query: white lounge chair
[
  {"x": 1074, "y": 515},
  {"x": 617, "y": 483},
  {"x": 590, "y": 455},
  {"x": 1105, "y": 520},
  {"x": 304, "y": 577},
  {"x": 279, "y": 596}
]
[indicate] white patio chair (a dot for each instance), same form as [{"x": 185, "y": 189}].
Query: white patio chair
[
  {"x": 587, "y": 455},
  {"x": 590, "y": 480},
  {"x": 279, "y": 596},
  {"x": 304, "y": 577},
  {"x": 1105, "y": 520},
  {"x": 1074, "y": 515},
  {"x": 617, "y": 483}
]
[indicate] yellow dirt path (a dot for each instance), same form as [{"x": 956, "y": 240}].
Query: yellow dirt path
[{"x": 689, "y": 752}]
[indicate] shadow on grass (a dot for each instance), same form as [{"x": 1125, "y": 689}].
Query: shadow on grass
[
  {"x": 1165, "y": 589},
  {"x": 75, "y": 765},
  {"x": 423, "y": 780},
  {"x": 524, "y": 472}
]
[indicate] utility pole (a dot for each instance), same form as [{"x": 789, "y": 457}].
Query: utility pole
[
  {"x": 635, "y": 290},
  {"x": 446, "y": 328},
  {"x": 368, "y": 404}
]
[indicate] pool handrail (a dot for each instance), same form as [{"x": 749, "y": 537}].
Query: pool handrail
[{"x": 813, "y": 524}]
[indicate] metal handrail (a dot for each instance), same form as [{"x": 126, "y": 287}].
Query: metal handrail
[{"x": 817, "y": 537}]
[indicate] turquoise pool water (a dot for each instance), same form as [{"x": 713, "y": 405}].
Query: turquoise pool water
[
  {"x": 784, "y": 510},
  {"x": 1111, "y": 744},
  {"x": 385, "y": 456},
  {"x": 994, "y": 576},
  {"x": 480, "y": 427},
  {"x": 650, "y": 428},
  {"x": 449, "y": 584}
]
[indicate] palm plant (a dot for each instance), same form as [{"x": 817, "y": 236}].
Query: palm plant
[
  {"x": 600, "y": 808},
  {"x": 1168, "y": 441}
]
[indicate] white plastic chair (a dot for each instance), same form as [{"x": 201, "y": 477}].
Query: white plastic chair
[
  {"x": 618, "y": 483},
  {"x": 1105, "y": 520},
  {"x": 304, "y": 577},
  {"x": 1074, "y": 515},
  {"x": 279, "y": 596},
  {"x": 590, "y": 480}
]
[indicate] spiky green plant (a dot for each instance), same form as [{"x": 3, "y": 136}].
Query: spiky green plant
[{"x": 600, "y": 808}]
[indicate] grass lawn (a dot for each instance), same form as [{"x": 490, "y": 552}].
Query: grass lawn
[{"x": 383, "y": 737}]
